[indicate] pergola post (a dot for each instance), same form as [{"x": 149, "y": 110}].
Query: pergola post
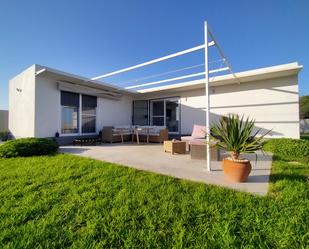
[
  {"x": 207, "y": 98},
  {"x": 207, "y": 34}
]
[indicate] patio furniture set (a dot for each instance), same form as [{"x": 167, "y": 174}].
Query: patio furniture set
[
  {"x": 194, "y": 144},
  {"x": 111, "y": 134},
  {"x": 196, "y": 150},
  {"x": 154, "y": 134}
]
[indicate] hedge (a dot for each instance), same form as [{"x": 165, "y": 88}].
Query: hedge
[
  {"x": 288, "y": 149},
  {"x": 26, "y": 147},
  {"x": 4, "y": 135}
]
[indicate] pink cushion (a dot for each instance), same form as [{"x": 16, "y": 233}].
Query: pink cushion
[{"x": 199, "y": 131}]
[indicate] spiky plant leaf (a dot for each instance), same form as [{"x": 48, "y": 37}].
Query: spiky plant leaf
[{"x": 236, "y": 135}]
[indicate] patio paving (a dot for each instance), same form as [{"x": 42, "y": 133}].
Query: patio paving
[{"x": 151, "y": 157}]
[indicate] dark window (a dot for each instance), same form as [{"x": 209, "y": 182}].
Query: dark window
[
  {"x": 159, "y": 121},
  {"x": 69, "y": 99},
  {"x": 140, "y": 112},
  {"x": 89, "y": 105},
  {"x": 89, "y": 101},
  {"x": 158, "y": 108}
]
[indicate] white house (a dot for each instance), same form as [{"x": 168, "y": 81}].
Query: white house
[{"x": 44, "y": 101}]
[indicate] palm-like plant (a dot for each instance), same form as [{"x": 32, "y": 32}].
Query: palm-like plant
[{"x": 236, "y": 135}]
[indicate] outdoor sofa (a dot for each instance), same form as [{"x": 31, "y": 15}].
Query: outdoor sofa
[
  {"x": 198, "y": 133},
  {"x": 110, "y": 134},
  {"x": 156, "y": 134},
  {"x": 196, "y": 144}
]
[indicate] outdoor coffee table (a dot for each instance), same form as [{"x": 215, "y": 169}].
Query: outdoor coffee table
[
  {"x": 137, "y": 130},
  {"x": 175, "y": 146}
]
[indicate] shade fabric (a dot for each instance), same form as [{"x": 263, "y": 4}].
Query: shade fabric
[{"x": 69, "y": 99}]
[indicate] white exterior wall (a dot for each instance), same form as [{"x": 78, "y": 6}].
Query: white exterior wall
[
  {"x": 34, "y": 105},
  {"x": 22, "y": 103},
  {"x": 48, "y": 109},
  {"x": 114, "y": 112},
  {"x": 272, "y": 103}
]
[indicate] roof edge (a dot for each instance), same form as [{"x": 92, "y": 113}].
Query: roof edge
[
  {"x": 41, "y": 69},
  {"x": 276, "y": 71}
]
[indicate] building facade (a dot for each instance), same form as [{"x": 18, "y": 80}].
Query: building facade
[{"x": 45, "y": 101}]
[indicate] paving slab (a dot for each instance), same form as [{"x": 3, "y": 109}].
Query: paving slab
[{"x": 151, "y": 157}]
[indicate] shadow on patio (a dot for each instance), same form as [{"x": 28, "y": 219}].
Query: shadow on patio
[{"x": 151, "y": 157}]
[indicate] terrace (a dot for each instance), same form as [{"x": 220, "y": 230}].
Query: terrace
[
  {"x": 174, "y": 112},
  {"x": 151, "y": 157}
]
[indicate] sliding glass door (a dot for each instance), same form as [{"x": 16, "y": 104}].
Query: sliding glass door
[
  {"x": 166, "y": 112},
  {"x": 157, "y": 112},
  {"x": 172, "y": 115}
]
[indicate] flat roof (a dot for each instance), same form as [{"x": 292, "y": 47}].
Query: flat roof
[
  {"x": 76, "y": 79},
  {"x": 245, "y": 76}
]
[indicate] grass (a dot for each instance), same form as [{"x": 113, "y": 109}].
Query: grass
[{"x": 66, "y": 201}]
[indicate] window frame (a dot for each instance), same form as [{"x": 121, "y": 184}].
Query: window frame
[
  {"x": 87, "y": 115},
  {"x": 134, "y": 123},
  {"x": 78, "y": 120},
  {"x": 79, "y": 133},
  {"x": 178, "y": 98},
  {"x": 157, "y": 116}
]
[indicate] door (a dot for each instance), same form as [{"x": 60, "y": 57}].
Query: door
[
  {"x": 172, "y": 115},
  {"x": 166, "y": 112},
  {"x": 157, "y": 112}
]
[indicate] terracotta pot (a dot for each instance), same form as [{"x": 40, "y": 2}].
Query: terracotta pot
[{"x": 236, "y": 171}]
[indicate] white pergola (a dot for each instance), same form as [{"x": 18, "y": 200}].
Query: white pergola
[{"x": 209, "y": 41}]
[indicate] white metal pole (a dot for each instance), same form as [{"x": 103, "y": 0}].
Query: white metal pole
[
  {"x": 167, "y": 80},
  {"x": 179, "y": 78},
  {"x": 222, "y": 55},
  {"x": 190, "y": 50},
  {"x": 207, "y": 98}
]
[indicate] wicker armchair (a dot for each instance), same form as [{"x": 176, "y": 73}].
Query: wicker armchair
[{"x": 111, "y": 135}]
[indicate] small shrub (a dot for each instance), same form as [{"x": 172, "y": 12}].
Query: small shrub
[
  {"x": 28, "y": 147},
  {"x": 288, "y": 149},
  {"x": 4, "y": 135}
]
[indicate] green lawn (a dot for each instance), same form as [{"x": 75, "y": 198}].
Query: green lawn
[{"x": 67, "y": 201}]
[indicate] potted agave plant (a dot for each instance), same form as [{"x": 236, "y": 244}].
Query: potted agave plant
[{"x": 236, "y": 136}]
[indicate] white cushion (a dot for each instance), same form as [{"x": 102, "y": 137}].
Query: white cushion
[{"x": 122, "y": 126}]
